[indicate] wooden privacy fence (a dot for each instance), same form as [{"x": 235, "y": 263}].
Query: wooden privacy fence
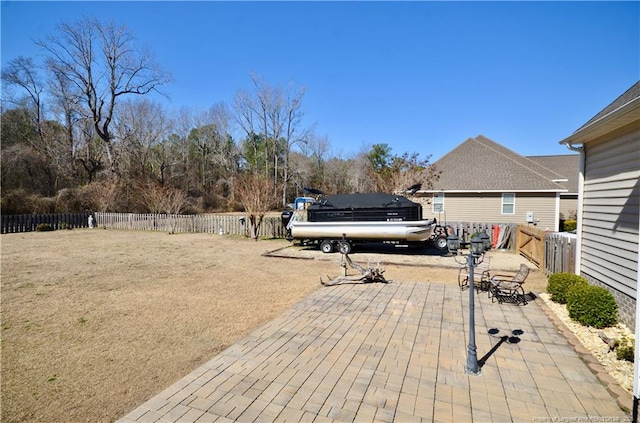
[
  {"x": 501, "y": 234},
  {"x": 14, "y": 223},
  {"x": 551, "y": 251},
  {"x": 559, "y": 252},
  {"x": 271, "y": 226}
]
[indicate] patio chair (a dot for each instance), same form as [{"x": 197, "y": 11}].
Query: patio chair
[
  {"x": 508, "y": 288},
  {"x": 481, "y": 278}
]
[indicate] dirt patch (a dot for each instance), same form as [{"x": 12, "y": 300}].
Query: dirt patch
[{"x": 95, "y": 322}]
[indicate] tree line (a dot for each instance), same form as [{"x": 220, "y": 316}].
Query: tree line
[{"x": 81, "y": 132}]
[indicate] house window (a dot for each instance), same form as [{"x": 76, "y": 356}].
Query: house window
[
  {"x": 438, "y": 203},
  {"x": 508, "y": 203}
]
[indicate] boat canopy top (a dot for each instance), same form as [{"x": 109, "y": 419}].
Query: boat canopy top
[
  {"x": 375, "y": 200},
  {"x": 364, "y": 207}
]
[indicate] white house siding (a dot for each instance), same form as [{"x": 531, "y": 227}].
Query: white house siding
[
  {"x": 610, "y": 217},
  {"x": 487, "y": 207}
]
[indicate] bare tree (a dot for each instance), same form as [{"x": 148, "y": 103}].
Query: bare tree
[
  {"x": 276, "y": 113},
  {"x": 104, "y": 193},
  {"x": 361, "y": 179},
  {"x": 65, "y": 107},
  {"x": 408, "y": 170},
  {"x": 141, "y": 126},
  {"x": 23, "y": 73},
  {"x": 217, "y": 153},
  {"x": 152, "y": 195},
  {"x": 173, "y": 202},
  {"x": 102, "y": 62},
  {"x": 255, "y": 193},
  {"x": 90, "y": 154},
  {"x": 48, "y": 139},
  {"x": 395, "y": 174},
  {"x": 293, "y": 133},
  {"x": 182, "y": 164}
]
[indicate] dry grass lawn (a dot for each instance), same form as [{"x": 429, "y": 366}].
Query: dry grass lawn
[{"x": 95, "y": 322}]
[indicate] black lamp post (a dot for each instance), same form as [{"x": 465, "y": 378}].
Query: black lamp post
[{"x": 476, "y": 252}]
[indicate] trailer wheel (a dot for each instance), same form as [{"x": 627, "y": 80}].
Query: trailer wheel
[
  {"x": 441, "y": 243},
  {"x": 344, "y": 247},
  {"x": 326, "y": 246}
]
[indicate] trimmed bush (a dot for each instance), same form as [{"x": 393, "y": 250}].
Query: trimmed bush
[
  {"x": 625, "y": 350},
  {"x": 560, "y": 283},
  {"x": 570, "y": 225},
  {"x": 592, "y": 306},
  {"x": 44, "y": 227}
]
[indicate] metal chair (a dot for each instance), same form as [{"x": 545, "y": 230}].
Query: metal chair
[
  {"x": 481, "y": 284},
  {"x": 508, "y": 288}
]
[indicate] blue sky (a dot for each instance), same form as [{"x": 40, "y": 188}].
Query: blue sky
[{"x": 419, "y": 76}]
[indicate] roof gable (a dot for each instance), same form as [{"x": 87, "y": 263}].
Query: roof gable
[
  {"x": 623, "y": 112},
  {"x": 567, "y": 165},
  {"x": 627, "y": 97},
  {"x": 480, "y": 164}
]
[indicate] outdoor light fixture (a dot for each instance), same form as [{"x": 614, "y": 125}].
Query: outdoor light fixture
[
  {"x": 475, "y": 256},
  {"x": 486, "y": 240},
  {"x": 477, "y": 246},
  {"x": 453, "y": 243}
]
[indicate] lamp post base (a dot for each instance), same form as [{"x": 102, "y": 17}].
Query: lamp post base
[
  {"x": 472, "y": 368},
  {"x": 468, "y": 371},
  {"x": 472, "y": 356}
]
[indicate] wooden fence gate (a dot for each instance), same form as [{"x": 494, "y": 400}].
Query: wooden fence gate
[{"x": 530, "y": 244}]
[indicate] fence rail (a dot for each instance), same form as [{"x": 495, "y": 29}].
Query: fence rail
[
  {"x": 15, "y": 223},
  {"x": 271, "y": 226}
]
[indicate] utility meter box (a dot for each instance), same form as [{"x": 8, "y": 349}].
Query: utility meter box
[{"x": 529, "y": 217}]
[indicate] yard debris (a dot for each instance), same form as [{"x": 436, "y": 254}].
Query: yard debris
[
  {"x": 367, "y": 274},
  {"x": 611, "y": 342}
]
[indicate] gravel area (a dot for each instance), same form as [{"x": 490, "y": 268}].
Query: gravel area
[{"x": 620, "y": 370}]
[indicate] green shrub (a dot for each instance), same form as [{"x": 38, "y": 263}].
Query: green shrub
[
  {"x": 592, "y": 306},
  {"x": 560, "y": 283},
  {"x": 570, "y": 225},
  {"x": 44, "y": 227},
  {"x": 625, "y": 350}
]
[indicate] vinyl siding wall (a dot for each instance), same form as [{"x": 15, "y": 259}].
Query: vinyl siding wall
[
  {"x": 610, "y": 216},
  {"x": 487, "y": 207}
]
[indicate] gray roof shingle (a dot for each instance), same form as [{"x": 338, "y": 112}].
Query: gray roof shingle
[
  {"x": 567, "y": 165},
  {"x": 480, "y": 164}
]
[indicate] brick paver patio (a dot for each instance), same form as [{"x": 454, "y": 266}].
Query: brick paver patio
[{"x": 391, "y": 352}]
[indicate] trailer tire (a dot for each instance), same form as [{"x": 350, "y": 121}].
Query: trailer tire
[
  {"x": 344, "y": 247},
  {"x": 441, "y": 243},
  {"x": 326, "y": 246}
]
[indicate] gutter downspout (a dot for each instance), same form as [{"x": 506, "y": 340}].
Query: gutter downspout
[{"x": 578, "y": 261}]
